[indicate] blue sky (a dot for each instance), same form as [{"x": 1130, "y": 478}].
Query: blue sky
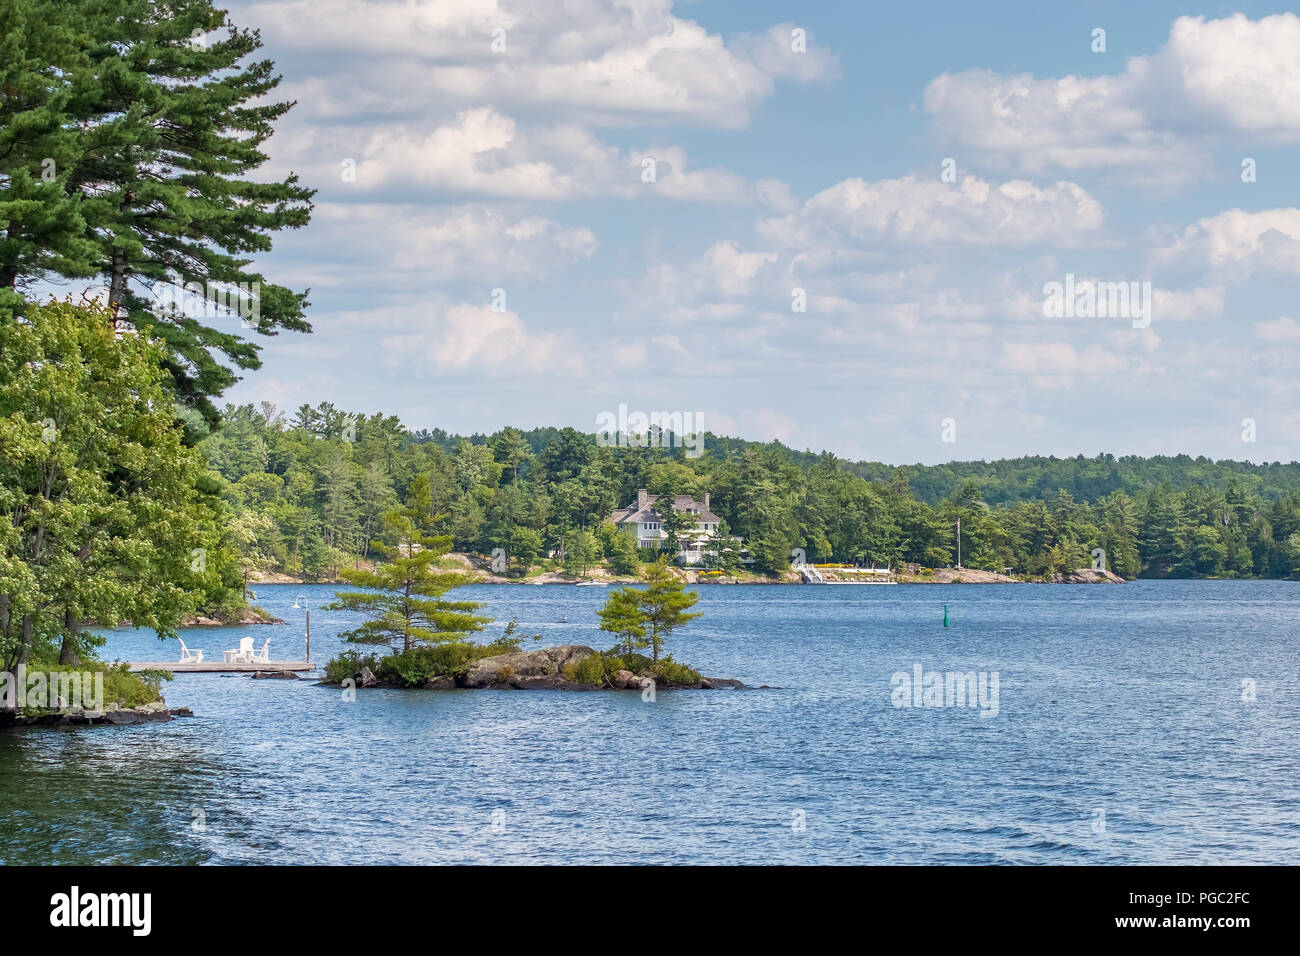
[{"x": 521, "y": 169}]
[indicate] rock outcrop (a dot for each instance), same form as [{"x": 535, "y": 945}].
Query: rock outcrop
[
  {"x": 542, "y": 669},
  {"x": 241, "y": 616},
  {"x": 545, "y": 670},
  {"x": 113, "y": 714},
  {"x": 1088, "y": 576}
]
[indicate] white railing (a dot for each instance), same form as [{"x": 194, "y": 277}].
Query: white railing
[{"x": 810, "y": 574}]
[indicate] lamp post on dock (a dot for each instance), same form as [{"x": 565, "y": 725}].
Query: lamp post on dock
[{"x": 303, "y": 606}]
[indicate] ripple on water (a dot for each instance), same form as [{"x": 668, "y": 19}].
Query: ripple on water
[{"x": 1121, "y": 737}]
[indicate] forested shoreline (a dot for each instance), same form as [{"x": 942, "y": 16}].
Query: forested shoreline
[{"x": 307, "y": 491}]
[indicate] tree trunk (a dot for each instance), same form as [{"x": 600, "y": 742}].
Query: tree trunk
[
  {"x": 9, "y": 273},
  {"x": 26, "y": 651},
  {"x": 68, "y": 654},
  {"x": 117, "y": 282}
]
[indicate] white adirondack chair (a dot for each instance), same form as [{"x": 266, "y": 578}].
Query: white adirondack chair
[
  {"x": 242, "y": 656},
  {"x": 188, "y": 656},
  {"x": 264, "y": 655}
]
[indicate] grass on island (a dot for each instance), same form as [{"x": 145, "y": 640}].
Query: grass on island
[
  {"x": 123, "y": 689},
  {"x": 600, "y": 669},
  {"x": 418, "y": 666},
  {"x": 425, "y": 664}
]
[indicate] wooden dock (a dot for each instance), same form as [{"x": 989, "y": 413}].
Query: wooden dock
[{"x": 221, "y": 667}]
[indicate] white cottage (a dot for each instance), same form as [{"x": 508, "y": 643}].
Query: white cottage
[{"x": 642, "y": 520}]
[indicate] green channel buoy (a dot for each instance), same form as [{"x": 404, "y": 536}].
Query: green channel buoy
[{"x": 945, "y": 615}]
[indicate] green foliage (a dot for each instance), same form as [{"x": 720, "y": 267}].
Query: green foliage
[
  {"x": 591, "y": 669},
  {"x": 404, "y": 595},
  {"x": 130, "y": 152},
  {"x": 121, "y": 686},
  {"x": 645, "y": 617},
  {"x": 133, "y": 690},
  {"x": 620, "y": 549},
  {"x": 622, "y": 617},
  {"x": 636, "y": 663},
  {"x": 668, "y": 673},
  {"x": 105, "y": 514},
  {"x": 348, "y": 665},
  {"x": 600, "y": 669},
  {"x": 1035, "y": 516},
  {"x": 662, "y": 605},
  {"x": 418, "y": 665}
]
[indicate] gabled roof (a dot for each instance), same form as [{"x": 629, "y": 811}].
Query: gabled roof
[{"x": 681, "y": 503}]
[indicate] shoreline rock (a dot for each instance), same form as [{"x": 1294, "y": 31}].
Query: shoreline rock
[
  {"x": 1087, "y": 576},
  {"x": 244, "y": 616},
  {"x": 541, "y": 669},
  {"x": 479, "y": 568},
  {"x": 156, "y": 712}
]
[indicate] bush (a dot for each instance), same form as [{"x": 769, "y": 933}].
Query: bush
[
  {"x": 133, "y": 690},
  {"x": 621, "y": 660},
  {"x": 121, "y": 686},
  {"x": 589, "y": 670},
  {"x": 668, "y": 673},
  {"x": 420, "y": 665},
  {"x": 348, "y": 665}
]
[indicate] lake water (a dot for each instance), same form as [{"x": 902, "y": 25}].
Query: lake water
[{"x": 1121, "y": 736}]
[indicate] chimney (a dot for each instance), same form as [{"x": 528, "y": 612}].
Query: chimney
[
  {"x": 706, "y": 501},
  {"x": 642, "y": 498}
]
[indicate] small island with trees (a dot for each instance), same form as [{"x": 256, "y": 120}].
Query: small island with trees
[{"x": 427, "y": 638}]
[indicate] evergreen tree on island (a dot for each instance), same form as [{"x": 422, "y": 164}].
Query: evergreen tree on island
[
  {"x": 645, "y": 617},
  {"x": 404, "y": 595}
]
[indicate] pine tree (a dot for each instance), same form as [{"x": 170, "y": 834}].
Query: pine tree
[
  {"x": 404, "y": 595},
  {"x": 621, "y": 616},
  {"x": 663, "y": 605},
  {"x": 42, "y": 72},
  {"x": 169, "y": 128}
]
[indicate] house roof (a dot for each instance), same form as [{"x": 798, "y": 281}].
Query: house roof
[{"x": 631, "y": 512}]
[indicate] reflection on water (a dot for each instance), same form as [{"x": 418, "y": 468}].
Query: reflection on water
[{"x": 1121, "y": 737}]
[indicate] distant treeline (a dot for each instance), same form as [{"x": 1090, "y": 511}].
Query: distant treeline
[
  {"x": 308, "y": 490},
  {"x": 1010, "y": 480}
]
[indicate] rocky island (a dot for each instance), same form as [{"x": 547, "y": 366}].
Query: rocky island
[{"x": 565, "y": 667}]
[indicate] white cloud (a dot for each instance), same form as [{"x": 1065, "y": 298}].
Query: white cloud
[
  {"x": 1060, "y": 358},
  {"x": 482, "y": 152},
  {"x": 734, "y": 271},
  {"x": 1235, "y": 244},
  {"x": 476, "y": 338},
  {"x": 916, "y": 210},
  {"x": 1236, "y": 73},
  {"x": 1071, "y": 124},
  {"x": 610, "y": 63},
  {"x": 774, "y": 52},
  {"x": 1152, "y": 123},
  {"x": 1283, "y": 330},
  {"x": 1169, "y": 305}
]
